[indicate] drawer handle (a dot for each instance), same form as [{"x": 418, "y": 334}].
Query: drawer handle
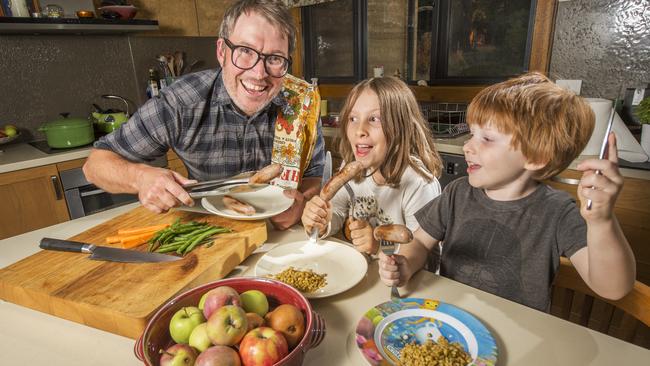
[
  {"x": 57, "y": 187},
  {"x": 571, "y": 181}
]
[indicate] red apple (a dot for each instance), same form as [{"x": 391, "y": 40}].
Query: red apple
[
  {"x": 178, "y": 355},
  {"x": 227, "y": 325},
  {"x": 218, "y": 297},
  {"x": 263, "y": 346},
  {"x": 218, "y": 356}
]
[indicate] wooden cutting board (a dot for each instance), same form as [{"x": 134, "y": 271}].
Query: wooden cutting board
[{"x": 121, "y": 297}]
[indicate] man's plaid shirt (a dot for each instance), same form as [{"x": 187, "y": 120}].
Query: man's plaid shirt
[{"x": 197, "y": 119}]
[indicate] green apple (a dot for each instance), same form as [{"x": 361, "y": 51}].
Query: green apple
[
  {"x": 254, "y": 301},
  {"x": 199, "y": 337},
  {"x": 10, "y": 130},
  {"x": 183, "y": 323}
]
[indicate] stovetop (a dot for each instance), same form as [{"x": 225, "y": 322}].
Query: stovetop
[{"x": 44, "y": 147}]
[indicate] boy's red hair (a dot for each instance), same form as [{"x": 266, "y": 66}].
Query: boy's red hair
[{"x": 548, "y": 124}]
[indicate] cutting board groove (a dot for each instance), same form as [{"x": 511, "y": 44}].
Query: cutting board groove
[{"x": 121, "y": 297}]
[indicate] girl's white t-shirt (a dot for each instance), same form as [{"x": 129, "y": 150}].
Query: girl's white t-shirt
[{"x": 382, "y": 204}]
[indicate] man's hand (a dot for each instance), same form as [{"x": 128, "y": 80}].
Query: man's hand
[
  {"x": 291, "y": 216},
  {"x": 318, "y": 213},
  {"x": 602, "y": 189},
  {"x": 361, "y": 236},
  {"x": 308, "y": 188},
  {"x": 389, "y": 269},
  {"x": 161, "y": 189}
]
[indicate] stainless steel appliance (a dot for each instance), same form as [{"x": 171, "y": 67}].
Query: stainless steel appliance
[
  {"x": 453, "y": 167},
  {"x": 84, "y": 198}
]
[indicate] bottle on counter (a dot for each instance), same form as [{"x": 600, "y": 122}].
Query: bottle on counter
[{"x": 152, "y": 85}]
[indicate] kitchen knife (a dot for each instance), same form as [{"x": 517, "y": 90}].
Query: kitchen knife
[
  {"x": 327, "y": 175},
  {"x": 105, "y": 253}
]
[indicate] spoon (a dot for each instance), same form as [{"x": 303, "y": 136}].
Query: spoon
[{"x": 178, "y": 62}]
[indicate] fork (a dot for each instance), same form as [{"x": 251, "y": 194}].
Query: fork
[{"x": 390, "y": 247}]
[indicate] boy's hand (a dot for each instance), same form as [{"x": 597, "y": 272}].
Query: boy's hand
[
  {"x": 361, "y": 236},
  {"x": 317, "y": 213},
  {"x": 390, "y": 269},
  {"x": 606, "y": 186}
]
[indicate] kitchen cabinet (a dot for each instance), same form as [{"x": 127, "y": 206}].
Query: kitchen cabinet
[
  {"x": 632, "y": 210},
  {"x": 185, "y": 17},
  {"x": 31, "y": 199},
  {"x": 9, "y": 25}
]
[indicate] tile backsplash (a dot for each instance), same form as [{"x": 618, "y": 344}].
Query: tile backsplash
[
  {"x": 604, "y": 43},
  {"x": 44, "y": 75}
]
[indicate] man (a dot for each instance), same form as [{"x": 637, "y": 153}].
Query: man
[{"x": 219, "y": 122}]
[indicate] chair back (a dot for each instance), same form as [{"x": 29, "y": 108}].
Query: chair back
[{"x": 627, "y": 319}]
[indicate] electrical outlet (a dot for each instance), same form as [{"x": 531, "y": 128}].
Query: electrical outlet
[{"x": 573, "y": 85}]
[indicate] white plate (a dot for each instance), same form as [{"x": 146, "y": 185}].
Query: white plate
[
  {"x": 268, "y": 202},
  {"x": 343, "y": 265}
]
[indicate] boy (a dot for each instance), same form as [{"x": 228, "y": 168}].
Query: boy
[{"x": 502, "y": 230}]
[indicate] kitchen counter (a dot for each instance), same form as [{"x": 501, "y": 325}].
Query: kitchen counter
[
  {"x": 523, "y": 335},
  {"x": 22, "y": 156}
]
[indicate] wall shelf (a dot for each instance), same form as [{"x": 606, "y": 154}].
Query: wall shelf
[{"x": 9, "y": 25}]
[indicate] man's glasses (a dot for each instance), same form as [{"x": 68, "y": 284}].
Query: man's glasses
[{"x": 246, "y": 58}]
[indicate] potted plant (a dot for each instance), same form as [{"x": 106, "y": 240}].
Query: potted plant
[{"x": 642, "y": 112}]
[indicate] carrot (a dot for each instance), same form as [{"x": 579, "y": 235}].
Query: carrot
[
  {"x": 113, "y": 239},
  {"x": 142, "y": 230},
  {"x": 135, "y": 240}
]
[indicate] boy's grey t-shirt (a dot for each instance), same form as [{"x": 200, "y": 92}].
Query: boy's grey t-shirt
[{"x": 509, "y": 248}]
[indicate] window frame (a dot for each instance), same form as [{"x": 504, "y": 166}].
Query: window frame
[
  {"x": 360, "y": 45},
  {"x": 440, "y": 47}
]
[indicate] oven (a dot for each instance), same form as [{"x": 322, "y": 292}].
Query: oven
[{"x": 84, "y": 198}]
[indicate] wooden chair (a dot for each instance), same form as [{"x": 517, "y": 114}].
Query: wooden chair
[{"x": 627, "y": 319}]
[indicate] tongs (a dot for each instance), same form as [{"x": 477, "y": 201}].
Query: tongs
[{"x": 222, "y": 186}]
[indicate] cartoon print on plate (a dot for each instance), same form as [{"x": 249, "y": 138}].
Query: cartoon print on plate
[{"x": 385, "y": 329}]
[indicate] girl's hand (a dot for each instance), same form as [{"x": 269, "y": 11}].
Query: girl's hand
[
  {"x": 390, "y": 269},
  {"x": 606, "y": 187},
  {"x": 317, "y": 213},
  {"x": 361, "y": 236}
]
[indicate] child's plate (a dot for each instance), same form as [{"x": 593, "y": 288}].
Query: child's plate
[
  {"x": 388, "y": 327},
  {"x": 343, "y": 265},
  {"x": 267, "y": 201}
]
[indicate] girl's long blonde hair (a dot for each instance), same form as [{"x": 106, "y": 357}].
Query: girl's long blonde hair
[{"x": 408, "y": 137}]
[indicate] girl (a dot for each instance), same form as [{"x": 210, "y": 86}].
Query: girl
[{"x": 383, "y": 128}]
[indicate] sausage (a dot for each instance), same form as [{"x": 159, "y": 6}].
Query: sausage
[
  {"x": 238, "y": 206},
  {"x": 393, "y": 232},
  {"x": 344, "y": 175},
  {"x": 266, "y": 174}
]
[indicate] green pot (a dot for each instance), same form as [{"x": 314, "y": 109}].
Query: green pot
[
  {"x": 109, "y": 122},
  {"x": 68, "y": 132}
]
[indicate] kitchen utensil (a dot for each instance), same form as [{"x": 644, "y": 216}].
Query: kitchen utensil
[
  {"x": 178, "y": 63},
  {"x": 68, "y": 132},
  {"x": 156, "y": 334},
  {"x": 327, "y": 175},
  {"x": 389, "y": 248},
  {"x": 192, "y": 65},
  {"x": 267, "y": 201},
  {"x": 344, "y": 266},
  {"x": 241, "y": 177},
  {"x": 385, "y": 329},
  {"x": 169, "y": 58},
  {"x": 105, "y": 253},
  {"x": 604, "y": 145},
  {"x": 117, "y": 297},
  {"x": 109, "y": 120}
]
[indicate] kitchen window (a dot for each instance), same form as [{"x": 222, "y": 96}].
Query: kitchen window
[
  {"x": 335, "y": 41},
  {"x": 469, "y": 41}
]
